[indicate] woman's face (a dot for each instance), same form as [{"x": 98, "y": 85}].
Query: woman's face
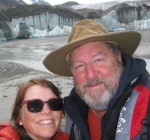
[{"x": 44, "y": 124}]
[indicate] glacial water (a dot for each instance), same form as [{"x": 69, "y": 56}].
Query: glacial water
[{"x": 30, "y": 52}]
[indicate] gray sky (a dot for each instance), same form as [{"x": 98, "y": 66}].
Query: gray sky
[{"x": 54, "y": 2}]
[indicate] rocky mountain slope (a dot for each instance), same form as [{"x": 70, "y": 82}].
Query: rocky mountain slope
[{"x": 5, "y": 4}]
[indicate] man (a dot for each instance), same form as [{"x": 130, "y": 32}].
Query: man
[{"x": 112, "y": 89}]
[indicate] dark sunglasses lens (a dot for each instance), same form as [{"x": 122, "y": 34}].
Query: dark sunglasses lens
[
  {"x": 35, "y": 105},
  {"x": 55, "y": 104}
]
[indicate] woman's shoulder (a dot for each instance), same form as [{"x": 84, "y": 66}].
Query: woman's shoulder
[
  {"x": 8, "y": 131},
  {"x": 61, "y": 136}
]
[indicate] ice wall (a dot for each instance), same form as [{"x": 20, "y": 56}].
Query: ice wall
[{"x": 43, "y": 21}]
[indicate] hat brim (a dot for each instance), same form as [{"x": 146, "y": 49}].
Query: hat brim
[{"x": 56, "y": 60}]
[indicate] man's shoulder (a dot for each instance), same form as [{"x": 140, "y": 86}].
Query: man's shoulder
[{"x": 146, "y": 82}]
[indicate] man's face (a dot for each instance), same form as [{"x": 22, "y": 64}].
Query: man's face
[{"x": 96, "y": 72}]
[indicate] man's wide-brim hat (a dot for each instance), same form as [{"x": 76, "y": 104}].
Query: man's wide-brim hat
[{"x": 86, "y": 31}]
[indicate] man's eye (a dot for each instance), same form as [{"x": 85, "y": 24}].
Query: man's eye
[
  {"x": 78, "y": 66},
  {"x": 98, "y": 60}
]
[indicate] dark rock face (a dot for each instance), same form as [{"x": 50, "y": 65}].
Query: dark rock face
[
  {"x": 9, "y": 3},
  {"x": 128, "y": 14},
  {"x": 92, "y": 15},
  {"x": 31, "y": 10},
  {"x": 69, "y": 3},
  {"x": 23, "y": 31},
  {"x": 6, "y": 29}
]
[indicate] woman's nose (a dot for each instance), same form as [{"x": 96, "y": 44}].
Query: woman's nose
[{"x": 46, "y": 109}]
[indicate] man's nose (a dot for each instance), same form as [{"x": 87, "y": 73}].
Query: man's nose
[{"x": 90, "y": 71}]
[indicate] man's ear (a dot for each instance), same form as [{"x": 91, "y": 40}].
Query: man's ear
[{"x": 120, "y": 58}]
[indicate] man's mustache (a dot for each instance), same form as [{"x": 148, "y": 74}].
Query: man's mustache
[{"x": 94, "y": 81}]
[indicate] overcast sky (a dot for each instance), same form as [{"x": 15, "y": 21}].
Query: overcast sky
[{"x": 54, "y": 2}]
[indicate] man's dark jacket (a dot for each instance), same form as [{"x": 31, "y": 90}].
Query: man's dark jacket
[{"x": 77, "y": 110}]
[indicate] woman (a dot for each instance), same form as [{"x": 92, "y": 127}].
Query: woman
[{"x": 37, "y": 112}]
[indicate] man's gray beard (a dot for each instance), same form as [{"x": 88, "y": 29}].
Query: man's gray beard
[
  {"x": 98, "y": 104},
  {"x": 102, "y": 102}
]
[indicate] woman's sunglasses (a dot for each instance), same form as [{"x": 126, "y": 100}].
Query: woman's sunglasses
[{"x": 37, "y": 105}]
